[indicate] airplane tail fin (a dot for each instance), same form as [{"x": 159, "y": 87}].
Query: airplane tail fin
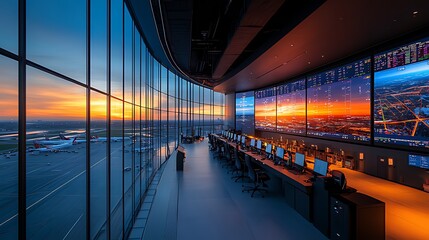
[
  {"x": 62, "y": 137},
  {"x": 74, "y": 140}
]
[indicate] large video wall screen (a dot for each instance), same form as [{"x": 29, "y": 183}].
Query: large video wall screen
[
  {"x": 265, "y": 109},
  {"x": 401, "y": 96},
  {"x": 245, "y": 112},
  {"x": 291, "y": 107},
  {"x": 339, "y": 102}
]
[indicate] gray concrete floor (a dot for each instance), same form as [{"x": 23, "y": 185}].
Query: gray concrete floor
[{"x": 209, "y": 205}]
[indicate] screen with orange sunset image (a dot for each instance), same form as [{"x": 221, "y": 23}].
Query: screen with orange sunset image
[
  {"x": 291, "y": 107},
  {"x": 338, "y": 102},
  {"x": 265, "y": 109}
]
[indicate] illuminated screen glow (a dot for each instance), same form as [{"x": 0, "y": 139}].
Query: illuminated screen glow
[
  {"x": 320, "y": 167},
  {"x": 280, "y": 152},
  {"x": 269, "y": 148},
  {"x": 401, "y": 96},
  {"x": 265, "y": 109},
  {"x": 299, "y": 159},
  {"x": 259, "y": 144},
  {"x": 245, "y": 112},
  {"x": 418, "y": 161},
  {"x": 252, "y": 142},
  {"x": 338, "y": 102},
  {"x": 291, "y": 107}
]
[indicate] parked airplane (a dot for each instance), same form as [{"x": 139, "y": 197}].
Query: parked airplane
[
  {"x": 53, "y": 148},
  {"x": 97, "y": 139},
  {"x": 62, "y": 140}
]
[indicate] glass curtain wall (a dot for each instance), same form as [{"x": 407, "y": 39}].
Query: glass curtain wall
[{"x": 87, "y": 117}]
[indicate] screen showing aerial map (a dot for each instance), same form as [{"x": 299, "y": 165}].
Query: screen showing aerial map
[{"x": 401, "y": 96}]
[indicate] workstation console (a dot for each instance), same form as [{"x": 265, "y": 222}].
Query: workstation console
[{"x": 318, "y": 194}]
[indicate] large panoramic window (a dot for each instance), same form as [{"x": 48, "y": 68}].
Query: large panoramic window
[
  {"x": 99, "y": 45},
  {"x": 9, "y": 25},
  {"x": 116, "y": 58},
  {"x": 8, "y": 148},
  {"x": 291, "y": 111},
  {"x": 98, "y": 150},
  {"x": 401, "y": 96},
  {"x": 56, "y": 31},
  {"x": 56, "y": 113},
  {"x": 94, "y": 139},
  {"x": 116, "y": 167},
  {"x": 338, "y": 102}
]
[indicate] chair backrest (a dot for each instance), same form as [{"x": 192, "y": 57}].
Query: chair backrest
[
  {"x": 237, "y": 160},
  {"x": 250, "y": 170}
]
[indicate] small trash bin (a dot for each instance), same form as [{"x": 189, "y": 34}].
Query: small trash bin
[{"x": 181, "y": 155}]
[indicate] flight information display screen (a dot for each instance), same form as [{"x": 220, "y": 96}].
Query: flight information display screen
[
  {"x": 339, "y": 102},
  {"x": 418, "y": 161},
  {"x": 401, "y": 96},
  {"x": 291, "y": 107},
  {"x": 245, "y": 112},
  {"x": 265, "y": 109}
]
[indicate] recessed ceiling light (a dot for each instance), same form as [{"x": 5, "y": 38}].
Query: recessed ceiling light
[
  {"x": 323, "y": 56},
  {"x": 309, "y": 62},
  {"x": 291, "y": 45},
  {"x": 415, "y": 12}
]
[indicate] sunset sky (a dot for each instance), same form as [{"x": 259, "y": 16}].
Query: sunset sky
[
  {"x": 265, "y": 107},
  {"x": 291, "y": 104}
]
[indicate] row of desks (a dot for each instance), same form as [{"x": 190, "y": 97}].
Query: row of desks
[{"x": 297, "y": 188}]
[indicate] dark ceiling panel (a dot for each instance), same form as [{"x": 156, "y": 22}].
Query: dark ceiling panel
[
  {"x": 257, "y": 15},
  {"x": 336, "y": 30},
  {"x": 302, "y": 36}
]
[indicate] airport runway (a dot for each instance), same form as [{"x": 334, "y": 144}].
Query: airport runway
[{"x": 56, "y": 191}]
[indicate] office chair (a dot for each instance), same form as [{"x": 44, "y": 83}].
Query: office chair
[
  {"x": 211, "y": 142},
  {"x": 240, "y": 168},
  {"x": 229, "y": 163},
  {"x": 257, "y": 176}
]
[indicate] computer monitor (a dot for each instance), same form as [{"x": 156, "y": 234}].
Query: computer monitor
[
  {"x": 269, "y": 148},
  {"x": 280, "y": 153},
  {"x": 235, "y": 137},
  {"x": 238, "y": 138},
  {"x": 320, "y": 167},
  {"x": 252, "y": 142},
  {"x": 299, "y": 159},
  {"x": 243, "y": 141},
  {"x": 259, "y": 144}
]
